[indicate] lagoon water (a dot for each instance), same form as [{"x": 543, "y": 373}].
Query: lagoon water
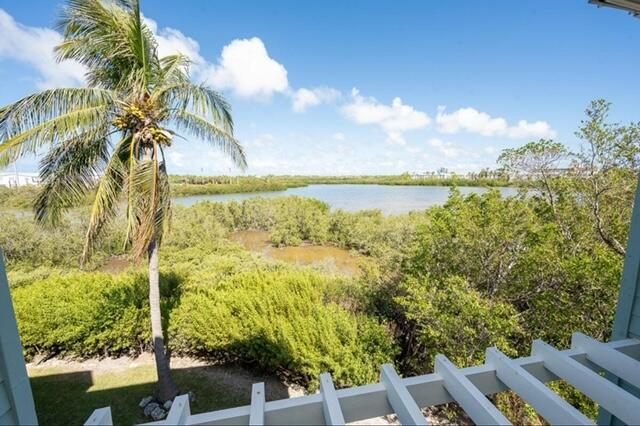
[{"x": 390, "y": 199}]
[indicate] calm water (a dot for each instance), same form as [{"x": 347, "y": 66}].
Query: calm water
[{"x": 390, "y": 199}]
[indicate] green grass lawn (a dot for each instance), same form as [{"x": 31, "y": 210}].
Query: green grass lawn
[{"x": 67, "y": 396}]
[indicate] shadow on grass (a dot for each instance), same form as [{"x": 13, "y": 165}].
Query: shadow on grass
[{"x": 70, "y": 397}]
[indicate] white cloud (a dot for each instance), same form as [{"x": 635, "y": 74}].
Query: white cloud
[
  {"x": 305, "y": 98},
  {"x": 394, "y": 119},
  {"x": 537, "y": 129},
  {"x": 445, "y": 148},
  {"x": 171, "y": 41},
  {"x": 246, "y": 68},
  {"x": 34, "y": 46},
  {"x": 338, "y": 136},
  {"x": 474, "y": 121}
]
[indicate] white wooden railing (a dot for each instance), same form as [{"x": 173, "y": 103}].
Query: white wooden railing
[{"x": 580, "y": 366}]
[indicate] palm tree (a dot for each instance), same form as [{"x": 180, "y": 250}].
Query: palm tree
[{"x": 111, "y": 136}]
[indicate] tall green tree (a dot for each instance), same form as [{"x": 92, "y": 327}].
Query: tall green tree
[
  {"x": 606, "y": 167},
  {"x": 537, "y": 160},
  {"x": 110, "y": 137}
]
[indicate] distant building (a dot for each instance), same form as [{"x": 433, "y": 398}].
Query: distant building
[
  {"x": 442, "y": 173},
  {"x": 572, "y": 170},
  {"x": 422, "y": 176},
  {"x": 13, "y": 180}
]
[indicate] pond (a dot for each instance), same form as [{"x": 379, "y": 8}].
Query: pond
[
  {"x": 390, "y": 199},
  {"x": 330, "y": 258}
]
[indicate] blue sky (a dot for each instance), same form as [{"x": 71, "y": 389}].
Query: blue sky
[{"x": 369, "y": 87}]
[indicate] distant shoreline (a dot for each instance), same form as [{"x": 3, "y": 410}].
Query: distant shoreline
[{"x": 189, "y": 185}]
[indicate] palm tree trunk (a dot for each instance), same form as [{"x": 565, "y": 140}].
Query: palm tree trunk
[{"x": 167, "y": 387}]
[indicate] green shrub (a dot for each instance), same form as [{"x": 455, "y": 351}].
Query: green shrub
[
  {"x": 86, "y": 314},
  {"x": 28, "y": 245},
  {"x": 20, "y": 277},
  {"x": 203, "y": 224},
  {"x": 218, "y": 301},
  {"x": 451, "y": 318},
  {"x": 281, "y": 320},
  {"x": 300, "y": 219}
]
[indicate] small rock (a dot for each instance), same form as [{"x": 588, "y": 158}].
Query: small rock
[
  {"x": 158, "y": 413},
  {"x": 167, "y": 405},
  {"x": 146, "y": 400},
  {"x": 192, "y": 397},
  {"x": 150, "y": 407}
]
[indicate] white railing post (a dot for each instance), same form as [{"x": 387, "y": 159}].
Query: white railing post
[
  {"x": 179, "y": 412},
  {"x": 467, "y": 386},
  {"x": 330, "y": 404},
  {"x": 256, "y": 415},
  {"x": 613, "y": 398},
  {"x": 100, "y": 417},
  {"x": 546, "y": 402},
  {"x": 400, "y": 399},
  {"x": 474, "y": 403},
  {"x": 607, "y": 358}
]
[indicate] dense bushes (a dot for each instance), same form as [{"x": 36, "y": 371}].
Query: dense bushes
[
  {"x": 221, "y": 305},
  {"x": 27, "y": 245},
  {"x": 19, "y": 198},
  {"x": 281, "y": 320},
  {"x": 510, "y": 252},
  {"x": 452, "y": 318},
  {"x": 84, "y": 314},
  {"x": 293, "y": 220}
]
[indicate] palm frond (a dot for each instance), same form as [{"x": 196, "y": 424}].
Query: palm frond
[
  {"x": 150, "y": 206},
  {"x": 173, "y": 70},
  {"x": 202, "y": 129},
  {"x": 40, "y": 107},
  {"x": 200, "y": 100},
  {"x": 108, "y": 193},
  {"x": 110, "y": 40},
  {"x": 56, "y": 130},
  {"x": 68, "y": 174},
  {"x": 141, "y": 43}
]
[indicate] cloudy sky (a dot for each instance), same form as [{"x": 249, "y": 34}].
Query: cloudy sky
[{"x": 367, "y": 87}]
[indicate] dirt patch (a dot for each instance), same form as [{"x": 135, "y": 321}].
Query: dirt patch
[{"x": 116, "y": 264}]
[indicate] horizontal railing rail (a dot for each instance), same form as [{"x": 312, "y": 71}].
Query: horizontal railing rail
[{"x": 580, "y": 365}]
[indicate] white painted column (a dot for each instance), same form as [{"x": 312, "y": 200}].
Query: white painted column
[
  {"x": 546, "y": 402},
  {"x": 256, "y": 415},
  {"x": 474, "y": 403},
  {"x": 614, "y": 399},
  {"x": 330, "y": 403},
  {"x": 400, "y": 399}
]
